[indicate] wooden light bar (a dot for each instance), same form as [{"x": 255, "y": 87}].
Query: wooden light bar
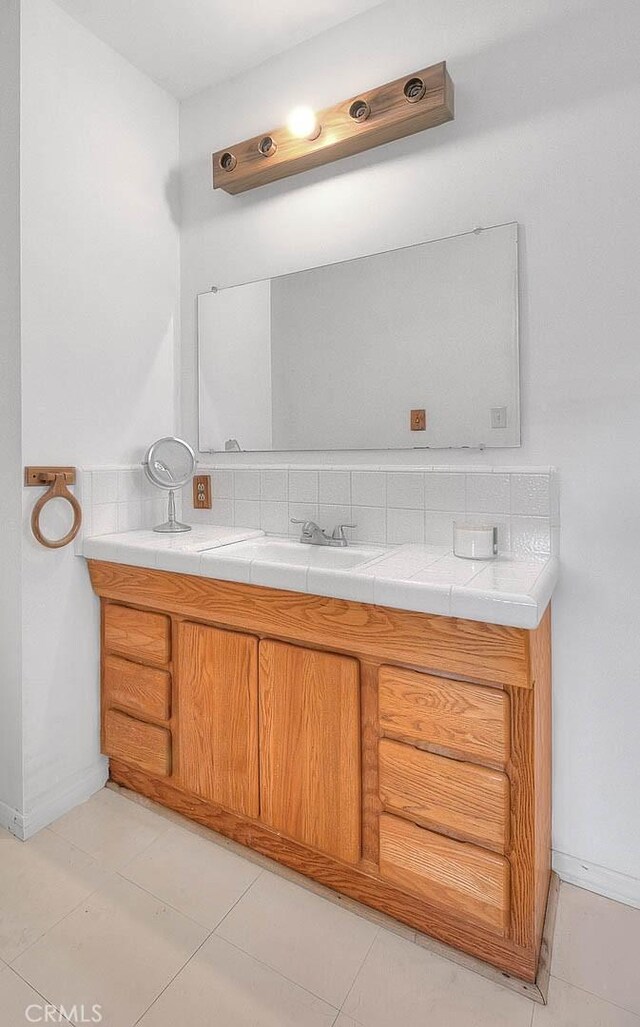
[{"x": 397, "y": 109}]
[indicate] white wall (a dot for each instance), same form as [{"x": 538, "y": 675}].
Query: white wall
[
  {"x": 546, "y": 133},
  {"x": 100, "y": 269},
  {"x": 10, "y": 464}
]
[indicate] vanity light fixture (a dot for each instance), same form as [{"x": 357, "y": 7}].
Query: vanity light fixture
[
  {"x": 410, "y": 104},
  {"x": 359, "y": 110},
  {"x": 303, "y": 123},
  {"x": 267, "y": 147}
]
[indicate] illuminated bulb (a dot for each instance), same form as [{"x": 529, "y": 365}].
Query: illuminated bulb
[{"x": 303, "y": 124}]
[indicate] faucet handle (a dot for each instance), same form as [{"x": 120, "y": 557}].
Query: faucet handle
[
  {"x": 338, "y": 531},
  {"x": 307, "y": 526}
]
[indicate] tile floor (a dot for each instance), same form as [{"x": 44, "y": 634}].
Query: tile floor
[{"x": 161, "y": 926}]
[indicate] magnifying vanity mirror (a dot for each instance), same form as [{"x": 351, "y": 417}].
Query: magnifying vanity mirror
[
  {"x": 169, "y": 464},
  {"x": 413, "y": 348}
]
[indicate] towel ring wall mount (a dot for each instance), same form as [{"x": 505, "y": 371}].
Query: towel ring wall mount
[{"x": 57, "y": 478}]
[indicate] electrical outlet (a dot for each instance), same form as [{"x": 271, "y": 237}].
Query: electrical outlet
[{"x": 202, "y": 492}]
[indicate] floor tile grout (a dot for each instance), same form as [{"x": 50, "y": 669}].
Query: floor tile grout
[
  {"x": 30, "y": 985},
  {"x": 163, "y": 902},
  {"x": 359, "y": 970},
  {"x": 239, "y": 899},
  {"x": 146, "y": 847},
  {"x": 272, "y": 969},
  {"x": 170, "y": 982},
  {"x": 169, "y": 905},
  {"x": 239, "y": 949},
  {"x": 51, "y": 829},
  {"x": 594, "y": 994},
  {"x": 51, "y": 927}
]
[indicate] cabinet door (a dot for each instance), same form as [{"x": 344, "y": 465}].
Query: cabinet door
[
  {"x": 310, "y": 747},
  {"x": 217, "y": 686}
]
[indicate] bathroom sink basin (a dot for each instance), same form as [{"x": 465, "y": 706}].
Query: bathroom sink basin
[{"x": 271, "y": 549}]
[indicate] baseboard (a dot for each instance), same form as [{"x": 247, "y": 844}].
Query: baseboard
[
  {"x": 11, "y": 820},
  {"x": 58, "y": 801},
  {"x": 610, "y": 883}
]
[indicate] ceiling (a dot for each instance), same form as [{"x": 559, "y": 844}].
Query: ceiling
[{"x": 187, "y": 45}]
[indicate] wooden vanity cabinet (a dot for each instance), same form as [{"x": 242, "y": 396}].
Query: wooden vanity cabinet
[
  {"x": 402, "y": 759},
  {"x": 310, "y": 747},
  {"x": 217, "y": 708}
]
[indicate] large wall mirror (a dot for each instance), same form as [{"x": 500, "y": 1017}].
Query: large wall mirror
[{"x": 338, "y": 357}]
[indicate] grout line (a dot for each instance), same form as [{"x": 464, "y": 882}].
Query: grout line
[
  {"x": 105, "y": 871},
  {"x": 176, "y": 974},
  {"x": 260, "y": 873},
  {"x": 43, "y": 997},
  {"x": 57, "y": 923},
  {"x": 278, "y": 973},
  {"x": 96, "y": 859},
  {"x": 594, "y": 994},
  {"x": 359, "y": 970},
  {"x": 169, "y": 905}
]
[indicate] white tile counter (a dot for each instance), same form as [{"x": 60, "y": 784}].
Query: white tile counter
[
  {"x": 180, "y": 552},
  {"x": 424, "y": 578}
]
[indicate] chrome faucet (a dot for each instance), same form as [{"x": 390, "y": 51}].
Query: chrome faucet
[{"x": 313, "y": 535}]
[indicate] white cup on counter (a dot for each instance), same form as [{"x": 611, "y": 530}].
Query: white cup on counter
[{"x": 473, "y": 541}]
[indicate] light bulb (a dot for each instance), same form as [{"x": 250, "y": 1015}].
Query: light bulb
[{"x": 303, "y": 124}]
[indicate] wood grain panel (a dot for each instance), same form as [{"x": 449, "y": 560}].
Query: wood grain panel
[
  {"x": 134, "y": 687},
  {"x": 310, "y": 747},
  {"x": 217, "y": 675},
  {"x": 529, "y": 770},
  {"x": 484, "y": 652},
  {"x": 392, "y": 117},
  {"x": 137, "y": 634},
  {"x": 464, "y": 879},
  {"x": 467, "y": 720},
  {"x": 360, "y": 884},
  {"x": 464, "y": 800},
  {"x": 370, "y": 763},
  {"x": 145, "y": 746},
  {"x": 540, "y": 650}
]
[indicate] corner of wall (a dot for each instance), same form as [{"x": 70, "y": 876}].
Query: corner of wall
[{"x": 60, "y": 799}]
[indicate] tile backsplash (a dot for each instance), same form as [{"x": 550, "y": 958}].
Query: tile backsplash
[
  {"x": 388, "y": 504},
  {"x": 119, "y": 499}
]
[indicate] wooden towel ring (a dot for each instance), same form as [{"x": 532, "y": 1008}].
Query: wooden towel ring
[{"x": 58, "y": 490}]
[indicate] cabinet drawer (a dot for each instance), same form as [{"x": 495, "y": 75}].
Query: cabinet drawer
[
  {"x": 468, "y": 882},
  {"x": 145, "y": 746},
  {"x": 461, "y": 798},
  {"x": 145, "y": 690},
  {"x": 468, "y": 720},
  {"x": 137, "y": 633}
]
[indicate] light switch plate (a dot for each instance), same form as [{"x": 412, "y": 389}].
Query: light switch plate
[{"x": 498, "y": 417}]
